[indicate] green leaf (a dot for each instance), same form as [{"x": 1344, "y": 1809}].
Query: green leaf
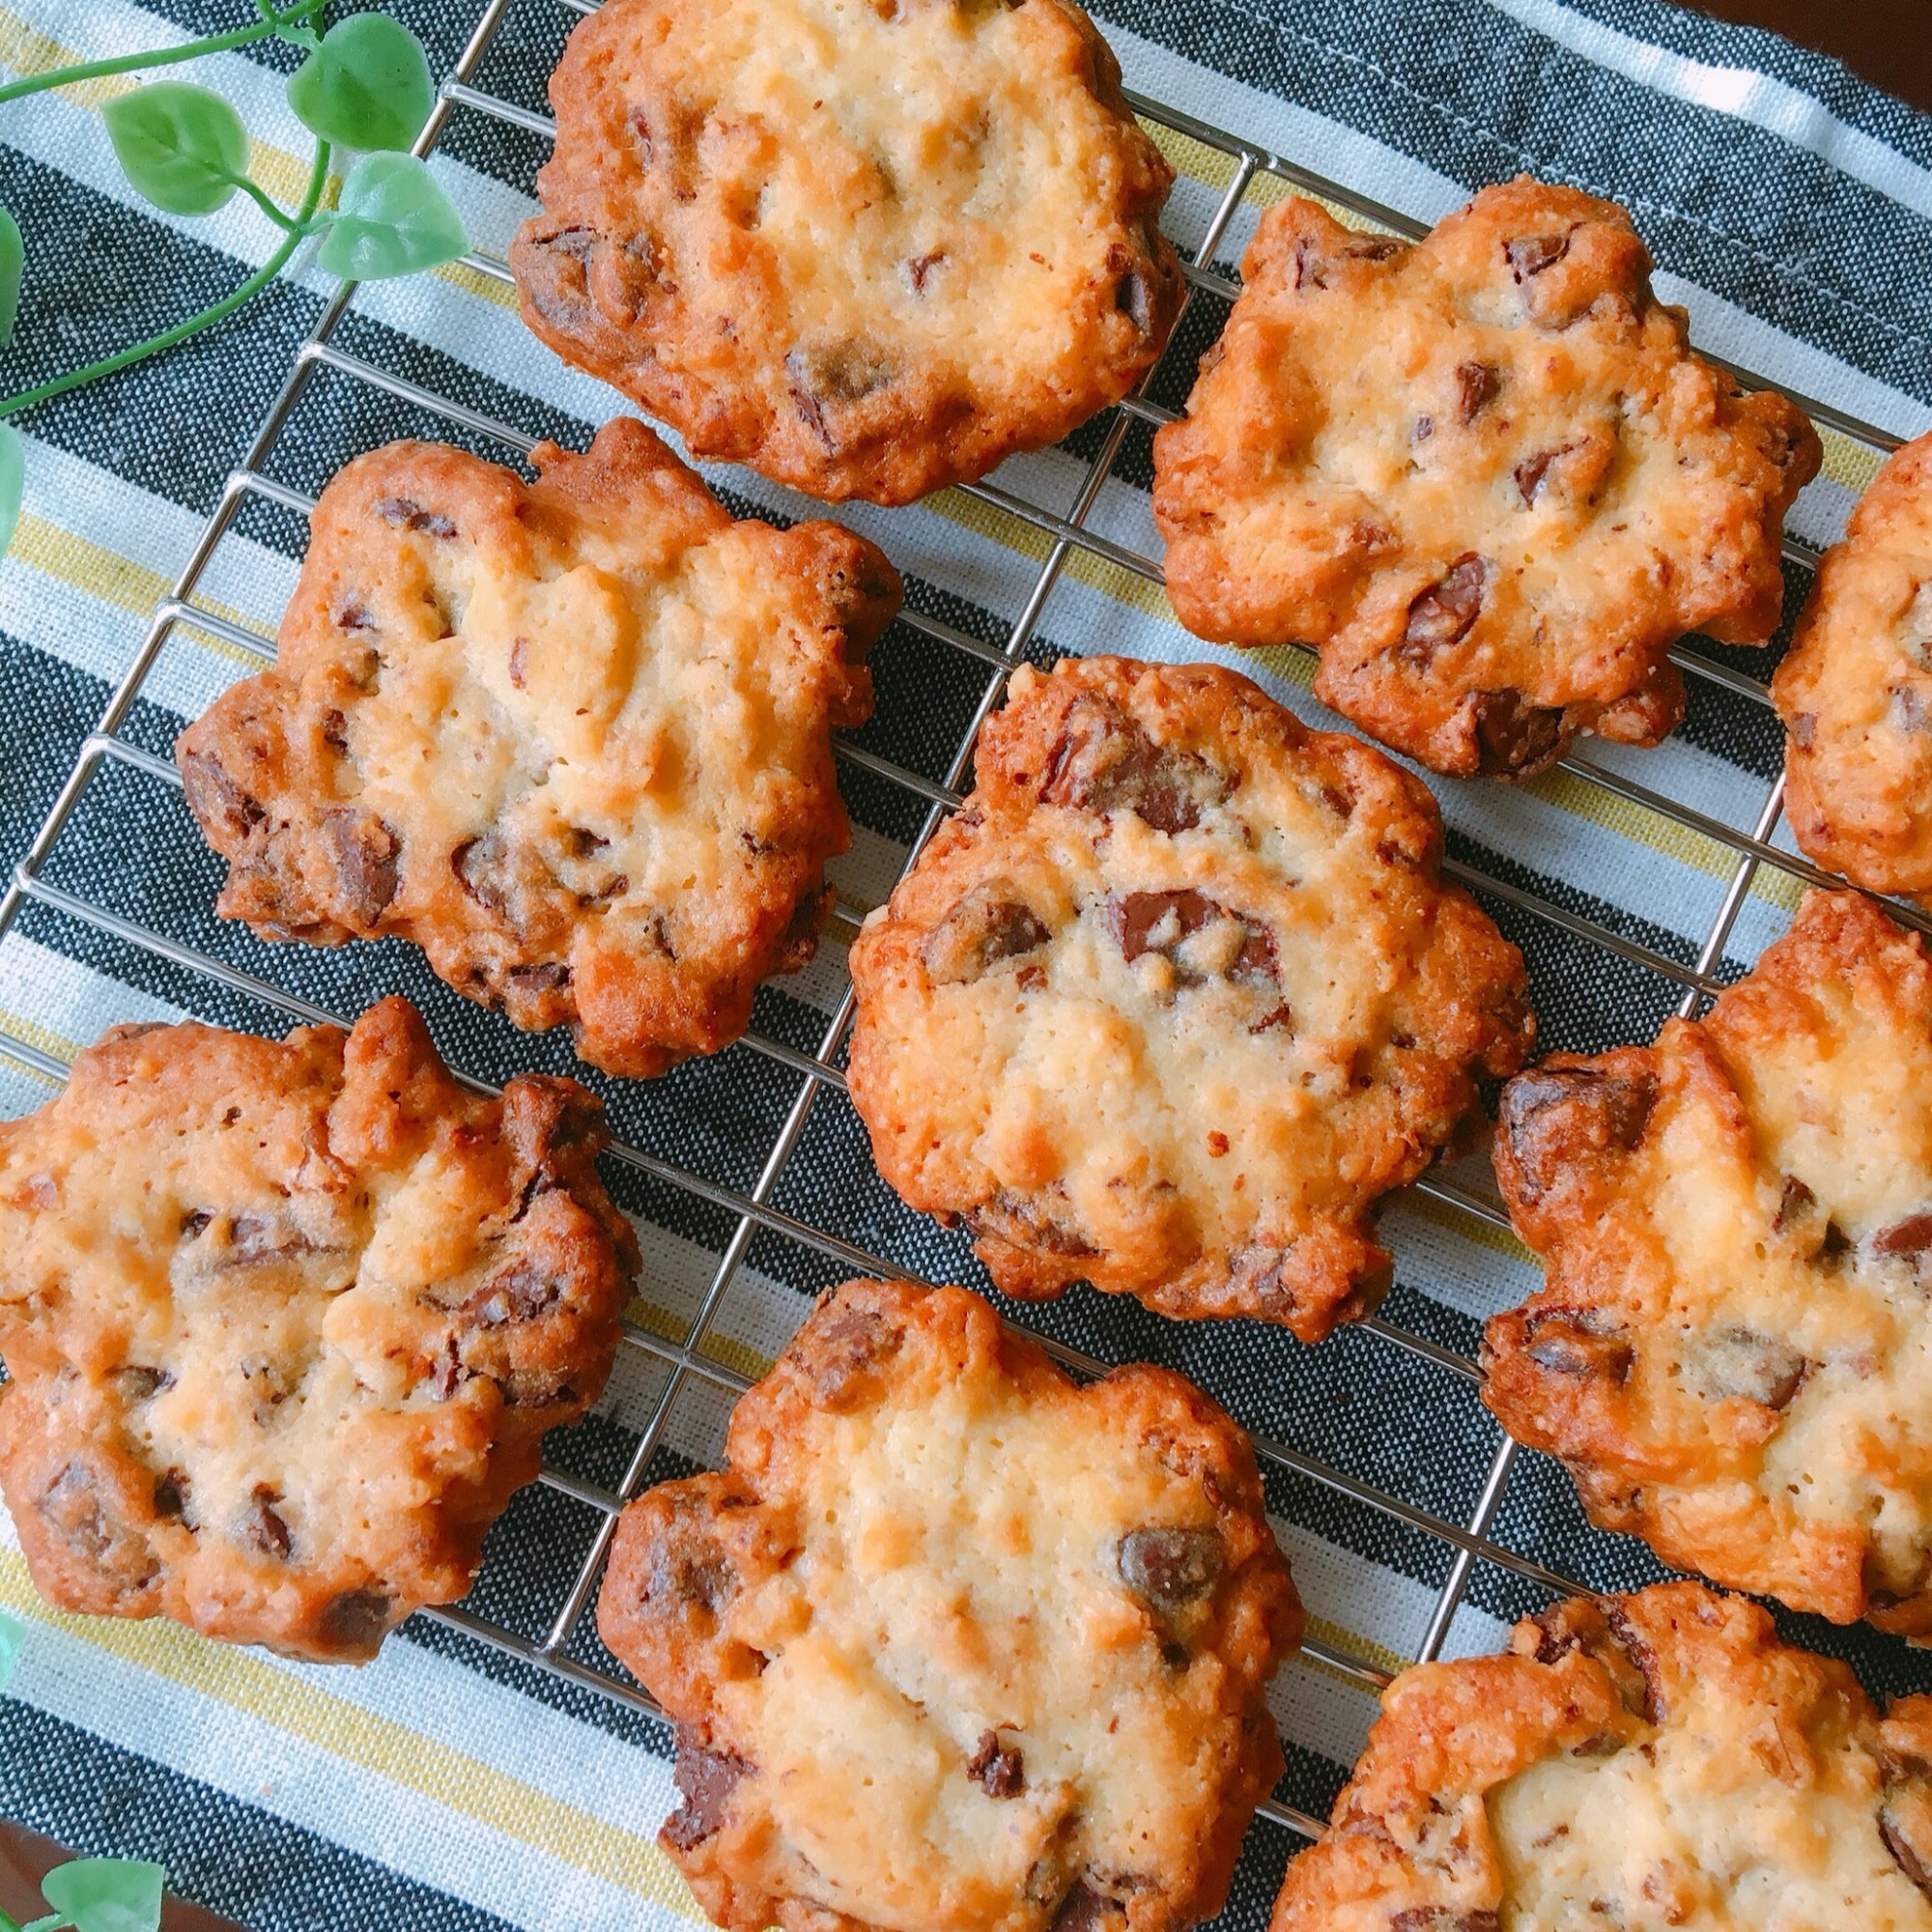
[
  {"x": 394, "y": 220},
  {"x": 13, "y": 1632},
  {"x": 13, "y": 477},
  {"x": 304, "y": 38},
  {"x": 183, "y": 147},
  {"x": 106, "y": 1895},
  {"x": 13, "y": 260},
  {"x": 368, "y": 85}
]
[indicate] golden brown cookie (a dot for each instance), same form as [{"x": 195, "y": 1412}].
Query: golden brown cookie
[
  {"x": 954, "y": 1644},
  {"x": 573, "y": 738},
  {"x": 867, "y": 246},
  {"x": 286, "y": 1323},
  {"x": 1634, "y": 1763},
  {"x": 1855, "y": 691},
  {"x": 1732, "y": 1350},
  {"x": 1484, "y": 476},
  {"x": 1176, "y": 998}
]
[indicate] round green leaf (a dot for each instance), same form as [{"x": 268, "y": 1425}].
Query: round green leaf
[
  {"x": 12, "y": 481},
  {"x": 368, "y": 85},
  {"x": 13, "y": 260},
  {"x": 183, "y": 147},
  {"x": 394, "y": 220},
  {"x": 13, "y": 1632},
  {"x": 107, "y": 1895}
]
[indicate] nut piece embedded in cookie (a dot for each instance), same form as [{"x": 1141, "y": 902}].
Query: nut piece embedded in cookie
[
  {"x": 954, "y": 1644},
  {"x": 1855, "y": 691},
  {"x": 867, "y": 248},
  {"x": 1646, "y": 1761},
  {"x": 1176, "y": 998},
  {"x": 286, "y": 1323},
  {"x": 573, "y": 739},
  {"x": 1483, "y": 475},
  {"x": 1732, "y": 1350}
]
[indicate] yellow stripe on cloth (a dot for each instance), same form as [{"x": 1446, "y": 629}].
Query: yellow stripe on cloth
[
  {"x": 243, "y": 1682},
  {"x": 30, "y": 1032}
]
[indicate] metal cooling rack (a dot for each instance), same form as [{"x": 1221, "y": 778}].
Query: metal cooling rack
[{"x": 684, "y": 1363}]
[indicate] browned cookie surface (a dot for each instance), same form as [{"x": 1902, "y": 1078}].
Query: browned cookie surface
[
  {"x": 285, "y": 1324},
  {"x": 1640, "y": 1763},
  {"x": 954, "y": 1644},
  {"x": 1176, "y": 998},
  {"x": 1484, "y": 476},
  {"x": 1855, "y": 691},
  {"x": 867, "y": 246},
  {"x": 1732, "y": 1350},
  {"x": 572, "y": 738}
]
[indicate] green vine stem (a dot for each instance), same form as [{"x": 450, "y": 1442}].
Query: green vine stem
[
  {"x": 273, "y": 21},
  {"x": 227, "y": 306}
]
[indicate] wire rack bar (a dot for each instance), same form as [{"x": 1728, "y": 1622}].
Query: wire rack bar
[{"x": 686, "y": 1357}]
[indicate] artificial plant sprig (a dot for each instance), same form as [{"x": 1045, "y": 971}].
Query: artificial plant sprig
[{"x": 366, "y": 84}]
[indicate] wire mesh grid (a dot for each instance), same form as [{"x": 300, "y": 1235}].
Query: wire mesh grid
[{"x": 751, "y": 1208}]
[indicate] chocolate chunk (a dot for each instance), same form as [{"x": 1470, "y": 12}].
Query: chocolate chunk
[
  {"x": 1741, "y": 1361},
  {"x": 1085, "y": 1910},
  {"x": 259, "y": 1238},
  {"x": 1632, "y": 1646},
  {"x": 1555, "y": 1116},
  {"x": 1314, "y": 261},
  {"x": 366, "y": 860},
  {"x": 554, "y": 275},
  {"x": 73, "y": 1509},
  {"x": 1533, "y": 471},
  {"x": 1104, "y": 761},
  {"x": 548, "y": 975},
  {"x": 218, "y": 802},
  {"x": 705, "y": 1781},
  {"x": 1133, "y": 299},
  {"x": 1476, "y": 388},
  {"x": 1580, "y": 1343},
  {"x": 1602, "y": 1631},
  {"x": 819, "y": 378},
  {"x": 1442, "y": 615},
  {"x": 1514, "y": 737},
  {"x": 1793, "y": 1205},
  {"x": 919, "y": 269},
  {"x": 1530, "y": 254},
  {"x": 356, "y": 616},
  {"x": 1443, "y": 1918},
  {"x": 998, "y": 1771},
  {"x": 988, "y": 927},
  {"x": 1916, "y": 1864},
  {"x": 335, "y": 732},
  {"x": 356, "y": 1619},
  {"x": 139, "y": 1383},
  {"x": 842, "y": 1355},
  {"x": 263, "y": 1526},
  {"x": 409, "y": 515},
  {"x": 477, "y": 863},
  {"x": 193, "y": 1223},
  {"x": 1169, "y": 1569},
  {"x": 171, "y": 1496},
  {"x": 1025, "y": 1221},
  {"x": 1912, "y": 1235},
  {"x": 519, "y": 1293},
  {"x": 1136, "y": 919}
]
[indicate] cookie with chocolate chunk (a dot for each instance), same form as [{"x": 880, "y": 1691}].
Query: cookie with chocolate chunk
[
  {"x": 953, "y": 1642},
  {"x": 869, "y": 250},
  {"x": 1176, "y": 998},
  {"x": 1732, "y": 1350},
  {"x": 1855, "y": 691},
  {"x": 1483, "y": 475},
  {"x": 285, "y": 1325},
  {"x": 1645, "y": 1761},
  {"x": 573, "y": 738}
]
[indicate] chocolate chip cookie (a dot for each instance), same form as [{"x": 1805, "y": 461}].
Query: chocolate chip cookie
[
  {"x": 1484, "y": 476},
  {"x": 1855, "y": 691},
  {"x": 867, "y": 248},
  {"x": 954, "y": 1643},
  {"x": 1730, "y": 1351},
  {"x": 1642, "y": 1762},
  {"x": 1176, "y": 998},
  {"x": 573, "y": 739},
  {"x": 285, "y": 1324}
]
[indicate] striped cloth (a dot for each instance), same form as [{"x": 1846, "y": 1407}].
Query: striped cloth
[{"x": 451, "y": 1785}]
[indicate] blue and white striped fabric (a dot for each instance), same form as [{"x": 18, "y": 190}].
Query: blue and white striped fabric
[{"x": 448, "y": 1785}]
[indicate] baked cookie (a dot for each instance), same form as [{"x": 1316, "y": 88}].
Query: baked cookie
[
  {"x": 867, "y": 248},
  {"x": 572, "y": 738},
  {"x": 1176, "y": 998},
  {"x": 1632, "y": 1762},
  {"x": 1855, "y": 691},
  {"x": 1484, "y": 476},
  {"x": 954, "y": 1645},
  {"x": 286, "y": 1323},
  {"x": 1732, "y": 1350}
]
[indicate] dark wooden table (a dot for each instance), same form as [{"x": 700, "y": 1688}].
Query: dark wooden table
[{"x": 1890, "y": 41}]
